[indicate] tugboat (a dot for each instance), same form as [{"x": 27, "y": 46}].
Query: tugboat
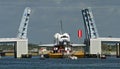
[
  {"x": 73, "y": 57},
  {"x": 42, "y": 56},
  {"x": 103, "y": 57},
  {"x": 43, "y": 53}
]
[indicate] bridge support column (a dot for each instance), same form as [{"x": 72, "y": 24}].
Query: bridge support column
[
  {"x": 118, "y": 49},
  {"x": 21, "y": 47},
  {"x": 95, "y": 46}
]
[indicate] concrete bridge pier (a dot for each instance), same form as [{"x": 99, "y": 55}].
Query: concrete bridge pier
[
  {"x": 21, "y": 48},
  {"x": 118, "y": 50}
]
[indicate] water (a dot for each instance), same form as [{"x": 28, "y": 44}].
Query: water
[{"x": 49, "y": 63}]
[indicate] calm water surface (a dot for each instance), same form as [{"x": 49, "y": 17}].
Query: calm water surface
[{"x": 48, "y": 63}]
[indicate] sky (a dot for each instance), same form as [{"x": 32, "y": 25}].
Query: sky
[{"x": 46, "y": 15}]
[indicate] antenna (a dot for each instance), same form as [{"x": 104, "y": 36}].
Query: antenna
[{"x": 61, "y": 28}]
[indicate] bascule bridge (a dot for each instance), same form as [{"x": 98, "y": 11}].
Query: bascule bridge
[
  {"x": 20, "y": 43},
  {"x": 92, "y": 40}
]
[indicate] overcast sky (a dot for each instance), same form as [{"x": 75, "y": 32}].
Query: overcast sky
[{"x": 46, "y": 14}]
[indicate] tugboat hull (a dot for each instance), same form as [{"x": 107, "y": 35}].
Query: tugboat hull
[
  {"x": 79, "y": 54},
  {"x": 55, "y": 55}
]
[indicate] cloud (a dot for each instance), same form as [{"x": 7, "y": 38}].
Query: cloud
[
  {"x": 58, "y": 1},
  {"x": 44, "y": 20}
]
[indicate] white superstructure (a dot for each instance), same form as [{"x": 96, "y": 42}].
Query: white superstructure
[{"x": 62, "y": 39}]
